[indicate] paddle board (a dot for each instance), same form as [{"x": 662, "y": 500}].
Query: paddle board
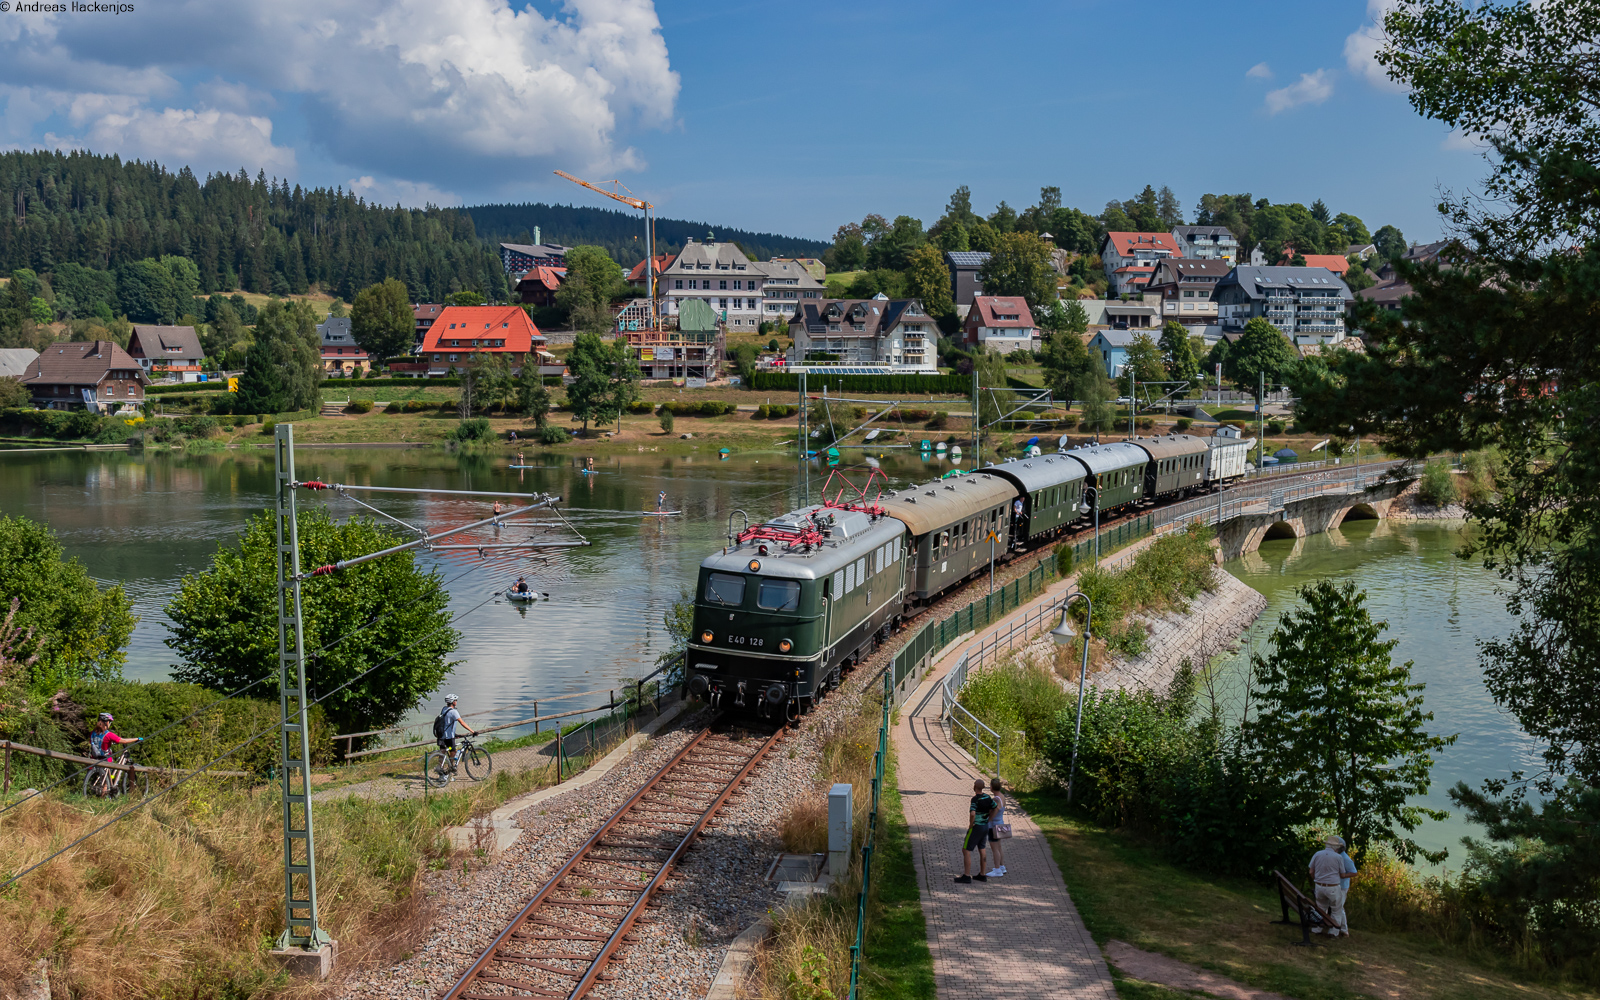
[{"x": 662, "y": 513}]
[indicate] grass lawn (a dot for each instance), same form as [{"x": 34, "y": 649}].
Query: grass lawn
[
  {"x": 1127, "y": 891},
  {"x": 898, "y": 965}
]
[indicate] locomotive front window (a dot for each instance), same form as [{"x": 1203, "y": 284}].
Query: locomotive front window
[
  {"x": 725, "y": 588},
  {"x": 778, "y": 595}
]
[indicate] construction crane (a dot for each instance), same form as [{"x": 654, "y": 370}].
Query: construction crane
[{"x": 649, "y": 228}]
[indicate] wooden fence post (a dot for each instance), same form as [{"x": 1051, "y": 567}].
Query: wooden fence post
[{"x": 7, "y": 788}]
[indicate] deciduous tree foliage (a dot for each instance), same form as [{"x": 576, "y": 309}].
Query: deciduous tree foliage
[
  {"x": 1177, "y": 351},
  {"x": 283, "y": 369},
  {"x": 381, "y": 320},
  {"x": 79, "y": 628},
  {"x": 928, "y": 280},
  {"x": 593, "y": 280},
  {"x": 1019, "y": 264},
  {"x": 1340, "y": 725},
  {"x": 1262, "y": 349},
  {"x": 385, "y": 622},
  {"x": 606, "y": 379}
]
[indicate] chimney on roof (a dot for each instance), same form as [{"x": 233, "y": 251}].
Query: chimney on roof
[{"x": 536, "y": 239}]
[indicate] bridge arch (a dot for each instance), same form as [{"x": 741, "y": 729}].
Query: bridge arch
[
  {"x": 1361, "y": 512},
  {"x": 1283, "y": 529}
]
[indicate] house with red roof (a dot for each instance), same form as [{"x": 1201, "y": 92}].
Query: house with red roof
[
  {"x": 1332, "y": 261},
  {"x": 1130, "y": 259},
  {"x": 1002, "y": 323},
  {"x": 423, "y": 314},
  {"x": 637, "y": 277},
  {"x": 462, "y": 333},
  {"x": 538, "y": 286}
]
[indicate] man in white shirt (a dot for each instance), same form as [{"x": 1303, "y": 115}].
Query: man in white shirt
[{"x": 1327, "y": 874}]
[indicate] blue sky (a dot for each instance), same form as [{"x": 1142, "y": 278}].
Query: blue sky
[{"x": 782, "y": 117}]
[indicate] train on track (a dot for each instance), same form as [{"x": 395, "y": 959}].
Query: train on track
[{"x": 790, "y": 603}]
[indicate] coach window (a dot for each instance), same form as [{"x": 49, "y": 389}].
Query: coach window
[{"x": 778, "y": 595}]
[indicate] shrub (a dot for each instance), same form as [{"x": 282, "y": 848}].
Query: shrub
[
  {"x": 415, "y": 406},
  {"x": 1183, "y": 424},
  {"x": 938, "y": 421},
  {"x": 1438, "y": 485},
  {"x": 666, "y": 421},
  {"x": 448, "y": 406},
  {"x": 1014, "y": 698},
  {"x": 269, "y": 426},
  {"x": 1144, "y": 423},
  {"x": 361, "y": 405},
  {"x": 198, "y": 426},
  {"x": 551, "y": 434},
  {"x": 1063, "y": 560},
  {"x": 640, "y": 406},
  {"x": 703, "y": 408},
  {"x": 1275, "y": 427},
  {"x": 761, "y": 412},
  {"x": 473, "y": 429}
]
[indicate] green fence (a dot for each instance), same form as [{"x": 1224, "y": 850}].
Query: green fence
[
  {"x": 1112, "y": 539},
  {"x": 879, "y": 760},
  {"x": 936, "y": 635}
]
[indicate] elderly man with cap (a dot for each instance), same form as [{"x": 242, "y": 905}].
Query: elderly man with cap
[{"x": 1327, "y": 878}]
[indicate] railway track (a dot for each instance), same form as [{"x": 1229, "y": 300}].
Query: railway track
[{"x": 561, "y": 942}]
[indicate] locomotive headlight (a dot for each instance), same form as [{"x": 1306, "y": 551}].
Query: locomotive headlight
[
  {"x": 706, "y": 637},
  {"x": 785, "y": 645},
  {"x": 755, "y": 565}
]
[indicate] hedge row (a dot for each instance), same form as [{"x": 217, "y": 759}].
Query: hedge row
[
  {"x": 707, "y": 408},
  {"x": 220, "y": 385},
  {"x": 774, "y": 411},
  {"x": 785, "y": 382}
]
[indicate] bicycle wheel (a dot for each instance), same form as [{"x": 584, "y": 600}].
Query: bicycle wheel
[
  {"x": 88, "y": 781},
  {"x": 477, "y": 763},
  {"x": 437, "y": 773}
]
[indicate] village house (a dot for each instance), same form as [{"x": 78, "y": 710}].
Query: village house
[
  {"x": 1207, "y": 243},
  {"x": 424, "y": 314},
  {"x": 14, "y": 361},
  {"x": 785, "y": 283},
  {"x": 166, "y": 350},
  {"x": 1306, "y": 303},
  {"x": 461, "y": 332},
  {"x": 519, "y": 258},
  {"x": 875, "y": 331},
  {"x": 638, "y": 278},
  {"x": 1184, "y": 286},
  {"x": 538, "y": 287},
  {"x": 1131, "y": 258},
  {"x": 340, "y": 352},
  {"x": 1111, "y": 347},
  {"x": 964, "y": 283},
  {"x": 1001, "y": 323},
  {"x": 720, "y": 275},
  {"x": 97, "y": 375}
]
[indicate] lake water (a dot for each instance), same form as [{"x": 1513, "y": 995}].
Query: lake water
[
  {"x": 1438, "y": 606},
  {"x": 146, "y": 520}
]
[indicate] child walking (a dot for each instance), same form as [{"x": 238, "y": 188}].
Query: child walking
[{"x": 996, "y": 821}]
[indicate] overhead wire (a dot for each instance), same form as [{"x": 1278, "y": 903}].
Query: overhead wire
[{"x": 228, "y": 753}]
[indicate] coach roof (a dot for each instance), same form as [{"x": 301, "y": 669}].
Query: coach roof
[
  {"x": 1034, "y": 474},
  {"x": 943, "y": 502}
]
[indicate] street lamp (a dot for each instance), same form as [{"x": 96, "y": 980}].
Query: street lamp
[{"x": 1062, "y": 635}]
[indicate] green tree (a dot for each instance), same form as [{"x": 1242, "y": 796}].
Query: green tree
[
  {"x": 928, "y": 281},
  {"x": 982, "y": 237},
  {"x": 381, "y": 320},
  {"x": 1145, "y": 362},
  {"x": 593, "y": 280},
  {"x": 495, "y": 384},
  {"x": 993, "y": 399},
  {"x": 743, "y": 357},
  {"x": 1093, "y": 391},
  {"x": 953, "y": 237},
  {"x": 849, "y": 249},
  {"x": 1177, "y": 353},
  {"x": 283, "y": 368},
  {"x": 1261, "y": 349},
  {"x": 1354, "y": 229},
  {"x": 1066, "y": 359},
  {"x": 533, "y": 397},
  {"x": 1341, "y": 725},
  {"x": 222, "y": 330},
  {"x": 1391, "y": 243},
  {"x": 79, "y": 628},
  {"x": 382, "y": 627},
  {"x": 605, "y": 379},
  {"x": 39, "y": 311},
  {"x": 466, "y": 298},
  {"x": 1020, "y": 265},
  {"x": 13, "y": 394},
  {"x": 892, "y": 249}
]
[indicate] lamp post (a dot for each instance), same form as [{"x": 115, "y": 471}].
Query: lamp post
[{"x": 1062, "y": 635}]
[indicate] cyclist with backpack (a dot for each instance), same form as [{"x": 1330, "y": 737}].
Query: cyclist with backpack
[
  {"x": 444, "y": 729},
  {"x": 102, "y": 739},
  {"x": 980, "y": 811}
]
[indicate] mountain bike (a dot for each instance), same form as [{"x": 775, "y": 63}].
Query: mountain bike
[
  {"x": 441, "y": 769},
  {"x": 106, "y": 781}
]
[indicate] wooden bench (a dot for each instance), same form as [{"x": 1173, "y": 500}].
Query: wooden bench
[{"x": 1305, "y": 907}]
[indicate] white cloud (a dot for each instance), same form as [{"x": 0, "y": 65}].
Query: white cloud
[
  {"x": 1311, "y": 88},
  {"x": 1260, "y": 71},
  {"x": 1461, "y": 139},
  {"x": 434, "y": 92},
  {"x": 206, "y": 140},
  {"x": 408, "y": 193},
  {"x": 1361, "y": 48}
]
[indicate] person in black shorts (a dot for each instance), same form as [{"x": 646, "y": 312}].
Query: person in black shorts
[{"x": 979, "y": 811}]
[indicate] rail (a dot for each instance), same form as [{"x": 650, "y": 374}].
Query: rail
[
  {"x": 973, "y": 726},
  {"x": 7, "y": 746},
  {"x": 573, "y": 926}
]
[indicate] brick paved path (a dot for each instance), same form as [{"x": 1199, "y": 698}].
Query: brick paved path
[{"x": 1017, "y": 936}]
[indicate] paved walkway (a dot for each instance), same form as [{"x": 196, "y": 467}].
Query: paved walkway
[{"x": 1016, "y": 936}]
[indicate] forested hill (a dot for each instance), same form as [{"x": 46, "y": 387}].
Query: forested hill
[
  {"x": 254, "y": 234},
  {"x": 622, "y": 232}
]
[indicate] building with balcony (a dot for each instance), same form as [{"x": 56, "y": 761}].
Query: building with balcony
[
  {"x": 1183, "y": 287},
  {"x": 340, "y": 352},
  {"x": 519, "y": 258},
  {"x": 423, "y": 314},
  {"x": 1207, "y": 243},
  {"x": 1307, "y": 303},
  {"x": 964, "y": 283},
  {"x": 166, "y": 350},
  {"x": 1130, "y": 259},
  {"x": 94, "y": 375},
  {"x": 875, "y": 331},
  {"x": 784, "y": 285}
]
